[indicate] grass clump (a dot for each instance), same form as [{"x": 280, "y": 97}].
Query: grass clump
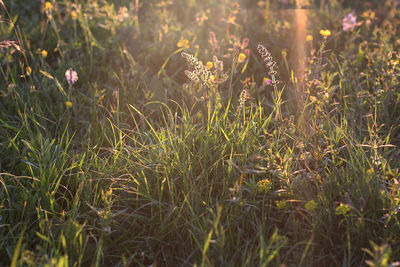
[{"x": 217, "y": 133}]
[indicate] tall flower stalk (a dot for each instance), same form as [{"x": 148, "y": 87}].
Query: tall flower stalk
[{"x": 270, "y": 64}]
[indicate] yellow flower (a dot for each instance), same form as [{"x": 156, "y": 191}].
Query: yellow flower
[
  {"x": 209, "y": 65},
  {"x": 74, "y": 15},
  {"x": 311, "y": 205},
  {"x": 369, "y": 14},
  {"x": 68, "y": 104},
  {"x": 48, "y": 7},
  {"x": 211, "y": 79},
  {"x": 309, "y": 38},
  {"x": 325, "y": 33},
  {"x": 44, "y": 53},
  {"x": 241, "y": 57},
  {"x": 342, "y": 209},
  {"x": 264, "y": 186},
  {"x": 28, "y": 70},
  {"x": 183, "y": 43},
  {"x": 313, "y": 98}
]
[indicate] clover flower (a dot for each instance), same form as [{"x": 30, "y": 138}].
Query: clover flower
[
  {"x": 68, "y": 104},
  {"x": 71, "y": 76},
  {"x": 349, "y": 22}
]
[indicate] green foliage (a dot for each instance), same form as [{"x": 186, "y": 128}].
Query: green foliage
[{"x": 185, "y": 143}]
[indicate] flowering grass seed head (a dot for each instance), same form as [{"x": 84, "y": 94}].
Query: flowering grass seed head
[{"x": 266, "y": 56}]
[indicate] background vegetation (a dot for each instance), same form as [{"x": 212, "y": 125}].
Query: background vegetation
[{"x": 137, "y": 164}]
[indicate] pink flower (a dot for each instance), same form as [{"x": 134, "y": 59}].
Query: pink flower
[
  {"x": 349, "y": 22},
  {"x": 71, "y": 76}
]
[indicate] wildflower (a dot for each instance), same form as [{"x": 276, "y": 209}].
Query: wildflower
[
  {"x": 368, "y": 14},
  {"x": 261, "y": 3},
  {"x": 270, "y": 63},
  {"x": 313, "y": 98},
  {"x": 241, "y": 57},
  {"x": 325, "y": 33},
  {"x": 264, "y": 186},
  {"x": 44, "y": 53},
  {"x": 28, "y": 71},
  {"x": 309, "y": 38},
  {"x": 349, "y": 22},
  {"x": 209, "y": 65},
  {"x": 211, "y": 79},
  {"x": 311, "y": 205},
  {"x": 71, "y": 76},
  {"x": 68, "y": 104},
  {"x": 48, "y": 8},
  {"x": 74, "y": 15},
  {"x": 183, "y": 43},
  {"x": 342, "y": 209},
  {"x": 266, "y": 81}
]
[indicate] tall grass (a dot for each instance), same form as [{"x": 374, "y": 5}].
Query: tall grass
[{"x": 138, "y": 164}]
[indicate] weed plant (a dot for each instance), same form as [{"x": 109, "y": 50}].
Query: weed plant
[{"x": 199, "y": 133}]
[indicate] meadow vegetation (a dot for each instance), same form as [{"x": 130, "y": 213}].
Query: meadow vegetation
[{"x": 199, "y": 133}]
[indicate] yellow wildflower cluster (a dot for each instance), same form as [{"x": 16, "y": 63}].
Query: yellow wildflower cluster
[
  {"x": 184, "y": 43},
  {"x": 325, "y": 33},
  {"x": 342, "y": 209},
  {"x": 264, "y": 186}
]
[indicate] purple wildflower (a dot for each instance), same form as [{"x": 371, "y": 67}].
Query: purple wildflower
[{"x": 349, "y": 22}]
